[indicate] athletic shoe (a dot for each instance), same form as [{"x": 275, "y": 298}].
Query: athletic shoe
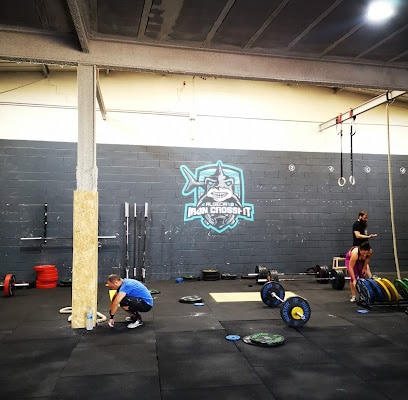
[
  {"x": 135, "y": 324},
  {"x": 353, "y": 299},
  {"x": 131, "y": 319}
]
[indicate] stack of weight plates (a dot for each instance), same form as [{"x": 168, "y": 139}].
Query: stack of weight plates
[
  {"x": 211, "y": 275},
  {"x": 264, "y": 339},
  {"x": 379, "y": 290},
  {"x": 47, "y": 276}
]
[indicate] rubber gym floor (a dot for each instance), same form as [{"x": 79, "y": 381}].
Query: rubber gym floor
[{"x": 181, "y": 352}]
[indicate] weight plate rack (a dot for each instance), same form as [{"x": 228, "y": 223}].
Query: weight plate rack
[{"x": 381, "y": 291}]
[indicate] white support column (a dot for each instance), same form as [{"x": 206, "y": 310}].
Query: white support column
[
  {"x": 87, "y": 172},
  {"x": 85, "y": 218}
]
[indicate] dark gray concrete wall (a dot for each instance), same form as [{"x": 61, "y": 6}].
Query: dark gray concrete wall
[{"x": 301, "y": 217}]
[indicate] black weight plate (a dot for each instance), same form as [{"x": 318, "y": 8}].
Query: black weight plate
[
  {"x": 267, "y": 339},
  {"x": 262, "y": 271},
  {"x": 190, "y": 299},
  {"x": 290, "y": 310},
  {"x": 364, "y": 290},
  {"x": 378, "y": 294},
  {"x": 337, "y": 279},
  {"x": 191, "y": 278},
  {"x": 266, "y": 294},
  {"x": 273, "y": 275},
  {"x": 211, "y": 275},
  {"x": 227, "y": 276},
  {"x": 322, "y": 274}
]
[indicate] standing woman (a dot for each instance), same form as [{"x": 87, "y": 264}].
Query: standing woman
[{"x": 357, "y": 263}]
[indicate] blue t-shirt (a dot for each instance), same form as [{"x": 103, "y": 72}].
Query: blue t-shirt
[{"x": 134, "y": 288}]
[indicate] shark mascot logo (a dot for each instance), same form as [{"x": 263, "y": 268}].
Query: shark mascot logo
[{"x": 218, "y": 191}]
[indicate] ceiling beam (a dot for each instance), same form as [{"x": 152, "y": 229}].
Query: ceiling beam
[
  {"x": 79, "y": 23},
  {"x": 311, "y": 26},
  {"x": 268, "y": 21},
  {"x": 47, "y": 49},
  {"x": 42, "y": 14},
  {"x": 227, "y": 7},
  {"x": 144, "y": 18}
]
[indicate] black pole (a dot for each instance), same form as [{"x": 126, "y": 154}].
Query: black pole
[
  {"x": 135, "y": 243},
  {"x": 144, "y": 243},
  {"x": 127, "y": 239},
  {"x": 45, "y": 221},
  {"x": 352, "y": 179}
]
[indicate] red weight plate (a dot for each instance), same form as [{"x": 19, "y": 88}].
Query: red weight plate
[
  {"x": 49, "y": 268},
  {"x": 8, "y": 285},
  {"x": 48, "y": 285},
  {"x": 47, "y": 277}
]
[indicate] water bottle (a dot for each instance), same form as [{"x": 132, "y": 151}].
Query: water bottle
[{"x": 89, "y": 319}]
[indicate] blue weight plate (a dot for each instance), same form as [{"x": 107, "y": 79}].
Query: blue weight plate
[
  {"x": 378, "y": 294},
  {"x": 295, "y": 311},
  {"x": 267, "y": 294},
  {"x": 364, "y": 290},
  {"x": 233, "y": 337}
]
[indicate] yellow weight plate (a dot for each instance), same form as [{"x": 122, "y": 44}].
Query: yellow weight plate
[
  {"x": 386, "y": 292},
  {"x": 391, "y": 288},
  {"x": 297, "y": 312}
]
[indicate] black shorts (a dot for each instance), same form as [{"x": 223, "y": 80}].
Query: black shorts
[{"x": 135, "y": 304}]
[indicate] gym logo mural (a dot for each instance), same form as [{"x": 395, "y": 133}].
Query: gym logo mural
[{"x": 219, "y": 197}]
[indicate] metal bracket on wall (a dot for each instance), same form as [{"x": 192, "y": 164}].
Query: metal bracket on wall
[{"x": 44, "y": 238}]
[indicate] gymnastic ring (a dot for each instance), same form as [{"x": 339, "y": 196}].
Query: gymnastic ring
[
  {"x": 352, "y": 180},
  {"x": 341, "y": 181}
]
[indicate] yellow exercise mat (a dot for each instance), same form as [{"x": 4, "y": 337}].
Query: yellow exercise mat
[
  {"x": 112, "y": 293},
  {"x": 231, "y": 297}
]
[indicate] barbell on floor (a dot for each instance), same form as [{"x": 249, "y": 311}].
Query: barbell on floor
[
  {"x": 295, "y": 311},
  {"x": 9, "y": 283},
  {"x": 322, "y": 274}
]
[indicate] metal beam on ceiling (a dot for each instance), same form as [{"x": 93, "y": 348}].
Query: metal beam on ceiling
[
  {"x": 79, "y": 23},
  {"x": 144, "y": 19},
  {"x": 25, "y": 47},
  {"x": 375, "y": 102}
]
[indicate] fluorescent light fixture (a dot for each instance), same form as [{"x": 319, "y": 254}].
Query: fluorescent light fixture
[{"x": 380, "y": 10}]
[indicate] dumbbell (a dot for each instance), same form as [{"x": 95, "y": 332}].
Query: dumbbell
[
  {"x": 9, "y": 283},
  {"x": 295, "y": 311}
]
